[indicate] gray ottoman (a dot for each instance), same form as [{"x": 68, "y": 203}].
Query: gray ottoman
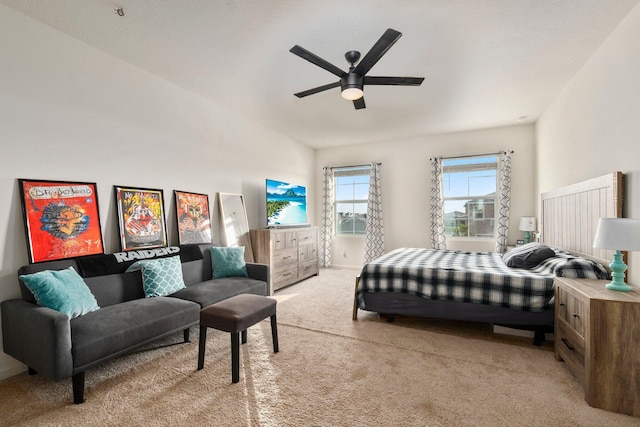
[{"x": 235, "y": 315}]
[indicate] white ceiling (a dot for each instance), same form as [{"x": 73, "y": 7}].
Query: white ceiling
[{"x": 487, "y": 63}]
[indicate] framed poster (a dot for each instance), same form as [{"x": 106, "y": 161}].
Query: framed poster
[
  {"x": 61, "y": 219},
  {"x": 235, "y": 225},
  {"x": 194, "y": 218},
  {"x": 141, "y": 218}
]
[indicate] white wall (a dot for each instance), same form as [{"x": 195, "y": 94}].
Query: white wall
[
  {"x": 593, "y": 127},
  {"x": 71, "y": 112},
  {"x": 406, "y": 184}
]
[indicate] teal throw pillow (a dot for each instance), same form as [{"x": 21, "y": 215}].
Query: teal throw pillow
[
  {"x": 61, "y": 290},
  {"x": 228, "y": 262},
  {"x": 160, "y": 277}
]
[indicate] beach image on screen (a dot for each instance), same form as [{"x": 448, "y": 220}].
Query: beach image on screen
[{"x": 286, "y": 203}]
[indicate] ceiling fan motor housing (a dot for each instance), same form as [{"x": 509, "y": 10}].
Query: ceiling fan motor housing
[{"x": 351, "y": 80}]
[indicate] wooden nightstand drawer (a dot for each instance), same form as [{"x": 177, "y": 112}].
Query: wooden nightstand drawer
[
  {"x": 572, "y": 309},
  {"x": 570, "y": 347}
]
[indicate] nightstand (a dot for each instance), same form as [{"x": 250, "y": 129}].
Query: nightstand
[{"x": 597, "y": 335}]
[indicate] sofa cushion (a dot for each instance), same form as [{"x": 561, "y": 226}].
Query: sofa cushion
[
  {"x": 160, "y": 277},
  {"x": 120, "y": 327},
  {"x": 116, "y": 288},
  {"x": 228, "y": 262},
  {"x": 213, "y": 291},
  {"x": 61, "y": 290}
]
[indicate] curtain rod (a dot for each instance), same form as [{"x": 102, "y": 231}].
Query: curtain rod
[
  {"x": 351, "y": 166},
  {"x": 473, "y": 155}
]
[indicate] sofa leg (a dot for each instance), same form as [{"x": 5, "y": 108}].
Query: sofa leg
[
  {"x": 31, "y": 370},
  {"x": 78, "y": 387},
  {"x": 186, "y": 335}
]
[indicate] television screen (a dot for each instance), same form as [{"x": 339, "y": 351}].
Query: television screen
[{"x": 286, "y": 204}]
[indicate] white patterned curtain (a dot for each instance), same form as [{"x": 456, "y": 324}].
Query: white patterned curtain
[
  {"x": 326, "y": 231},
  {"x": 438, "y": 240},
  {"x": 374, "y": 237},
  {"x": 505, "y": 201}
]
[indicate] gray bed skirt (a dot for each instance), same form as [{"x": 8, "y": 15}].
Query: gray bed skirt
[{"x": 392, "y": 303}]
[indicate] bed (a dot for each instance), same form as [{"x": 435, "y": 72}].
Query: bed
[{"x": 479, "y": 286}]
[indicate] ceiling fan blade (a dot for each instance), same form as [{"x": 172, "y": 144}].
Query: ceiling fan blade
[
  {"x": 315, "y": 59},
  {"x": 359, "y": 103},
  {"x": 380, "y": 48},
  {"x": 396, "y": 81},
  {"x": 317, "y": 89}
]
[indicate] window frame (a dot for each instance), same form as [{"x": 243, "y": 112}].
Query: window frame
[
  {"x": 364, "y": 170},
  {"x": 479, "y": 199}
]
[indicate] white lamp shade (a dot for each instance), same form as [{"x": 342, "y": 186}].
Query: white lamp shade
[
  {"x": 527, "y": 223},
  {"x": 621, "y": 234}
]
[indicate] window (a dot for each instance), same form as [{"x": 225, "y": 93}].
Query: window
[
  {"x": 351, "y": 194},
  {"x": 469, "y": 194}
]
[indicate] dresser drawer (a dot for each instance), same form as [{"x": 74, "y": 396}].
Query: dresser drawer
[
  {"x": 571, "y": 348},
  {"x": 307, "y": 236},
  {"x": 284, "y": 276},
  {"x": 285, "y": 256},
  {"x": 307, "y": 252},
  {"x": 284, "y": 239},
  {"x": 308, "y": 268}
]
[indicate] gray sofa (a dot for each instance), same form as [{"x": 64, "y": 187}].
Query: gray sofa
[{"x": 48, "y": 342}]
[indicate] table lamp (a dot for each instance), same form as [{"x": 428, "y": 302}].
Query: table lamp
[
  {"x": 619, "y": 234},
  {"x": 527, "y": 224}
]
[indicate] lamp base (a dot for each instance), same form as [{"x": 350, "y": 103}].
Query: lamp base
[
  {"x": 618, "y": 267},
  {"x": 527, "y": 237},
  {"x": 618, "y": 287}
]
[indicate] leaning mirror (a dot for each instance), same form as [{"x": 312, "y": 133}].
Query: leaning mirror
[{"x": 235, "y": 226}]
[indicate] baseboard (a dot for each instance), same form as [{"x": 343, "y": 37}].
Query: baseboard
[
  {"x": 350, "y": 267},
  {"x": 497, "y": 329},
  {"x": 12, "y": 371}
]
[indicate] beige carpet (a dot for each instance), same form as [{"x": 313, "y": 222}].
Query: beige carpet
[{"x": 330, "y": 371}]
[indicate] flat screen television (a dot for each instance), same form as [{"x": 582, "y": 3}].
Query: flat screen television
[{"x": 286, "y": 204}]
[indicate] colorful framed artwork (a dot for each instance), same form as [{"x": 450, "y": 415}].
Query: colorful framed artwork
[
  {"x": 193, "y": 217},
  {"x": 61, "y": 218},
  {"x": 141, "y": 218}
]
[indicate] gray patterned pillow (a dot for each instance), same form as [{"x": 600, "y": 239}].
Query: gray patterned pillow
[{"x": 160, "y": 277}]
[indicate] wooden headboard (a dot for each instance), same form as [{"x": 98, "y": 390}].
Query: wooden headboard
[{"x": 570, "y": 214}]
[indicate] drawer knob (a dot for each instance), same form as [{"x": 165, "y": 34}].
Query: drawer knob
[
  {"x": 562, "y": 304},
  {"x": 576, "y": 315},
  {"x": 569, "y": 346}
]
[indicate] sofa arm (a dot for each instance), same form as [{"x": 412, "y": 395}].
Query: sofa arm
[
  {"x": 38, "y": 337},
  {"x": 258, "y": 272}
]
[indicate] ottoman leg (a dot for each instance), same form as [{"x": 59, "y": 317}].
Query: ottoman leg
[
  {"x": 202, "y": 345},
  {"x": 244, "y": 336},
  {"x": 274, "y": 333},
  {"x": 235, "y": 357}
]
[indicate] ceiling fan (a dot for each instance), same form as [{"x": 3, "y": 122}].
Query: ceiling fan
[{"x": 353, "y": 82}]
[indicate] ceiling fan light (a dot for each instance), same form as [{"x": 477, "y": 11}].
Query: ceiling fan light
[{"x": 352, "y": 93}]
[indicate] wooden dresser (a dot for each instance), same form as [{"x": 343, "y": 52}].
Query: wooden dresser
[
  {"x": 597, "y": 334},
  {"x": 292, "y": 253}
]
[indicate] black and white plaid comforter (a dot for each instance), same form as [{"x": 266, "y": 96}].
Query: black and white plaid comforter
[{"x": 475, "y": 277}]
